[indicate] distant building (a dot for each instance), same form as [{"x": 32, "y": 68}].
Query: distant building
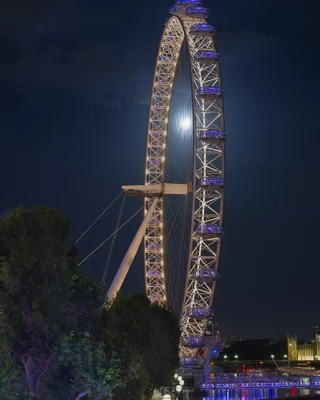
[
  {"x": 210, "y": 327},
  {"x": 304, "y": 351},
  {"x": 231, "y": 340}
]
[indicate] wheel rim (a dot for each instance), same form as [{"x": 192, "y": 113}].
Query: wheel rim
[{"x": 208, "y": 173}]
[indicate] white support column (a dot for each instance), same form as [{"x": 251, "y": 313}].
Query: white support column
[{"x": 131, "y": 253}]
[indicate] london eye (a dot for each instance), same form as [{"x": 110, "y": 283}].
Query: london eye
[
  {"x": 184, "y": 177},
  {"x": 188, "y": 27}
]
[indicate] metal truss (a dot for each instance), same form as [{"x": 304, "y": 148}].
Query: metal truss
[
  {"x": 208, "y": 184},
  {"x": 259, "y": 380}
]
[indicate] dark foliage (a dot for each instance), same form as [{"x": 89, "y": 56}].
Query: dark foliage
[{"x": 146, "y": 338}]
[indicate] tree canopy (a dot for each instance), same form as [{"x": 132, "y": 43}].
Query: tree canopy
[
  {"x": 59, "y": 338},
  {"x": 146, "y": 336},
  {"x": 44, "y": 298}
]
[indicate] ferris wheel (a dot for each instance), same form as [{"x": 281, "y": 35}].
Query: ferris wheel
[
  {"x": 188, "y": 24},
  {"x": 204, "y": 184}
]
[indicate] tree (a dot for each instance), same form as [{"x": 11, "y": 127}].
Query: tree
[
  {"x": 92, "y": 372},
  {"x": 11, "y": 377},
  {"x": 146, "y": 338},
  {"x": 44, "y": 298}
]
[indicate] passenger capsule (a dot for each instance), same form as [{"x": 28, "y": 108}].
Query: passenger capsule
[
  {"x": 216, "y": 182},
  {"x": 199, "y": 313},
  {"x": 209, "y": 230},
  {"x": 211, "y": 93},
  {"x": 202, "y": 29},
  {"x": 153, "y": 248},
  {"x": 157, "y": 135},
  {"x": 205, "y": 275},
  {"x": 193, "y": 341},
  {"x": 212, "y": 136},
  {"x": 190, "y": 2},
  {"x": 174, "y": 10},
  {"x": 185, "y": 361},
  {"x": 154, "y": 274},
  {"x": 198, "y": 12},
  {"x": 153, "y": 162},
  {"x": 208, "y": 57}
]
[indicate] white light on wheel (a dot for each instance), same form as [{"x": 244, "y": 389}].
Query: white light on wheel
[{"x": 185, "y": 123}]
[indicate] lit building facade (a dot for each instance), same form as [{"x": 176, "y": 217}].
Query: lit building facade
[{"x": 309, "y": 351}]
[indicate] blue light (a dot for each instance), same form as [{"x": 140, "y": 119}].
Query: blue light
[
  {"x": 259, "y": 380},
  {"x": 202, "y": 28},
  {"x": 210, "y": 91},
  {"x": 210, "y": 230},
  {"x": 157, "y": 134},
  {"x": 154, "y": 274},
  {"x": 192, "y": 2},
  {"x": 208, "y": 55},
  {"x": 203, "y": 135},
  {"x": 153, "y": 247},
  {"x": 199, "y": 312},
  {"x": 189, "y": 361},
  {"x": 197, "y": 10},
  {"x": 154, "y": 162},
  {"x": 193, "y": 341},
  {"x": 205, "y": 274},
  {"x": 212, "y": 182}
]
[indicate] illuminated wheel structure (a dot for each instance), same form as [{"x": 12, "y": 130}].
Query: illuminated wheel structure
[{"x": 188, "y": 22}]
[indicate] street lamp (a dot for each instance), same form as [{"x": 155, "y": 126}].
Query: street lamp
[
  {"x": 181, "y": 382},
  {"x": 178, "y": 388},
  {"x": 179, "y": 378},
  {"x": 316, "y": 357},
  {"x": 175, "y": 376},
  {"x": 225, "y": 356},
  {"x": 272, "y": 358},
  {"x": 236, "y": 357},
  {"x": 167, "y": 397},
  {"x": 285, "y": 356}
]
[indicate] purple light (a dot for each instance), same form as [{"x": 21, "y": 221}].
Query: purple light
[
  {"x": 210, "y": 91},
  {"x": 205, "y": 274},
  {"x": 262, "y": 380},
  {"x": 202, "y": 28},
  {"x": 212, "y": 182},
  {"x": 193, "y": 2},
  {"x": 210, "y": 230},
  {"x": 197, "y": 10},
  {"x": 193, "y": 341},
  {"x": 199, "y": 312},
  {"x": 204, "y": 135},
  {"x": 157, "y": 134},
  {"x": 208, "y": 55}
]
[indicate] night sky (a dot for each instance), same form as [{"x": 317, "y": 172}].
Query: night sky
[{"x": 75, "y": 81}]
